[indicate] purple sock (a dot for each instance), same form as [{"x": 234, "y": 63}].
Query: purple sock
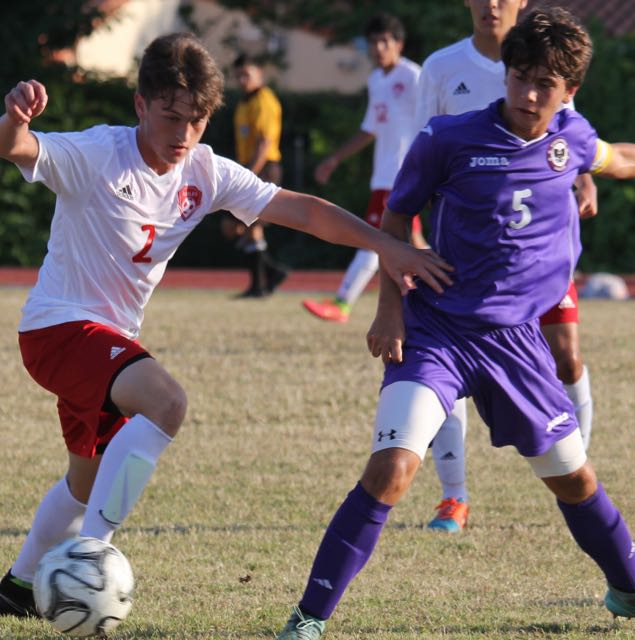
[
  {"x": 347, "y": 544},
  {"x": 598, "y": 527}
]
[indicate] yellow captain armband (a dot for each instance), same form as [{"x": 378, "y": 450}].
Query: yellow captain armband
[{"x": 603, "y": 156}]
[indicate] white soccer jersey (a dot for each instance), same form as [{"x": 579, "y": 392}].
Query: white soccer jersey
[
  {"x": 457, "y": 79},
  {"x": 117, "y": 223},
  {"x": 390, "y": 118}
]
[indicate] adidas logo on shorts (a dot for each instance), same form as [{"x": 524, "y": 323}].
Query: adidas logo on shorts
[
  {"x": 115, "y": 351},
  {"x": 566, "y": 303}
]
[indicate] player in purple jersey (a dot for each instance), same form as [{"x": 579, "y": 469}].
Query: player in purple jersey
[{"x": 503, "y": 216}]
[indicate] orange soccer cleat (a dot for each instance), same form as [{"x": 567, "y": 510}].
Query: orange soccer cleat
[
  {"x": 451, "y": 515},
  {"x": 331, "y": 310}
]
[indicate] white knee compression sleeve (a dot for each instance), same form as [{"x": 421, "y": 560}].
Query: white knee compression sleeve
[
  {"x": 409, "y": 415},
  {"x": 565, "y": 456}
]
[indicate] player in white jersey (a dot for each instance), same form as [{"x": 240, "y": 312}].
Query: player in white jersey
[
  {"x": 389, "y": 122},
  {"x": 467, "y": 76},
  {"x": 126, "y": 199}
]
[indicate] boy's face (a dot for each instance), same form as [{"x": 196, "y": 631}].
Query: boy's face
[
  {"x": 384, "y": 50},
  {"x": 168, "y": 129},
  {"x": 494, "y": 18},
  {"x": 533, "y": 97},
  {"x": 249, "y": 77}
]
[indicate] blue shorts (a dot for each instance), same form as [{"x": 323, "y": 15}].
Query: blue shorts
[{"x": 509, "y": 372}]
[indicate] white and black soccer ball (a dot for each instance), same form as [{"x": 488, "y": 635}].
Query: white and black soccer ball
[{"x": 83, "y": 587}]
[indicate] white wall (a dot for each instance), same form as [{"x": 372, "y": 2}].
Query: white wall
[{"x": 114, "y": 47}]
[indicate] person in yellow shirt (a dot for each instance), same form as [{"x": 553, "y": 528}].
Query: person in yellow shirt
[{"x": 257, "y": 129}]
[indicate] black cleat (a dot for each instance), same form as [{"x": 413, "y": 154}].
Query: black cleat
[
  {"x": 275, "y": 277},
  {"x": 15, "y": 599}
]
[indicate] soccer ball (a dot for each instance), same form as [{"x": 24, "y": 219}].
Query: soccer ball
[{"x": 83, "y": 587}]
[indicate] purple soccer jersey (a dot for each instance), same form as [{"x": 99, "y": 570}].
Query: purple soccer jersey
[{"x": 503, "y": 212}]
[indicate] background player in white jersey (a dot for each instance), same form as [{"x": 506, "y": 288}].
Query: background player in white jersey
[
  {"x": 126, "y": 198},
  {"x": 466, "y": 76},
  {"x": 389, "y": 122}
]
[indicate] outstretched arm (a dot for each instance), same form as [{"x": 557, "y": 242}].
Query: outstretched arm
[
  {"x": 352, "y": 146},
  {"x": 329, "y": 222},
  {"x": 24, "y": 102},
  {"x": 615, "y": 160}
]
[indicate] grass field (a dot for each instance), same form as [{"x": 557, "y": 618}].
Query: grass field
[{"x": 278, "y": 430}]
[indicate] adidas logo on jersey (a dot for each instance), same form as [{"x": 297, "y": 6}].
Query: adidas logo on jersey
[
  {"x": 115, "y": 351},
  {"x": 461, "y": 90},
  {"x": 448, "y": 456},
  {"x": 125, "y": 193}
]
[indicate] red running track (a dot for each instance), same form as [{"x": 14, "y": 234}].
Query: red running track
[
  {"x": 235, "y": 280},
  {"x": 222, "y": 279}
]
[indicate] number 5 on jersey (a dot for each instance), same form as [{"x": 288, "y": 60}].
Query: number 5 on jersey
[
  {"x": 143, "y": 256},
  {"x": 522, "y": 208}
]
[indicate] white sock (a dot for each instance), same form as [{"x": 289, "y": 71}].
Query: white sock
[
  {"x": 124, "y": 471},
  {"x": 58, "y": 517},
  {"x": 580, "y": 394},
  {"x": 360, "y": 272},
  {"x": 448, "y": 450}
]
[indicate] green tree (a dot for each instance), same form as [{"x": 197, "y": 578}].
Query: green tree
[
  {"x": 30, "y": 32},
  {"x": 428, "y": 28}
]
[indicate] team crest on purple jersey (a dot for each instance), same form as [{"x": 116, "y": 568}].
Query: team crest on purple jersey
[{"x": 558, "y": 154}]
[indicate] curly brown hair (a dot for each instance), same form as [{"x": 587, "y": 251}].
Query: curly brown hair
[
  {"x": 180, "y": 61},
  {"x": 551, "y": 38}
]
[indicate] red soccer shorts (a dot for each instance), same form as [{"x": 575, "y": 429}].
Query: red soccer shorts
[
  {"x": 376, "y": 206},
  {"x": 78, "y": 361},
  {"x": 565, "y": 311}
]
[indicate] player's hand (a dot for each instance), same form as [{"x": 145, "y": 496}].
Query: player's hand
[
  {"x": 587, "y": 196},
  {"x": 386, "y": 335},
  {"x": 324, "y": 170},
  {"x": 25, "y": 101},
  {"x": 402, "y": 262}
]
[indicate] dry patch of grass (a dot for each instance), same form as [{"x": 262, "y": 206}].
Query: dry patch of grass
[{"x": 278, "y": 431}]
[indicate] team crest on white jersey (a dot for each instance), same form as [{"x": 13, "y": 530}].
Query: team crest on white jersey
[
  {"x": 398, "y": 88},
  {"x": 189, "y": 200},
  {"x": 558, "y": 154}
]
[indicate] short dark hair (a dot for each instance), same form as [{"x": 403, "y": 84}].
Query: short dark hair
[
  {"x": 180, "y": 61},
  {"x": 245, "y": 60},
  {"x": 385, "y": 23},
  {"x": 552, "y": 38}
]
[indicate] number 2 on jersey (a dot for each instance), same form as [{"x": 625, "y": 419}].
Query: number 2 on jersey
[
  {"x": 519, "y": 205},
  {"x": 143, "y": 256}
]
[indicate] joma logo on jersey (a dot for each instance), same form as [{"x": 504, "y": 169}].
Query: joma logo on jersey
[
  {"x": 189, "y": 200},
  {"x": 489, "y": 161}
]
